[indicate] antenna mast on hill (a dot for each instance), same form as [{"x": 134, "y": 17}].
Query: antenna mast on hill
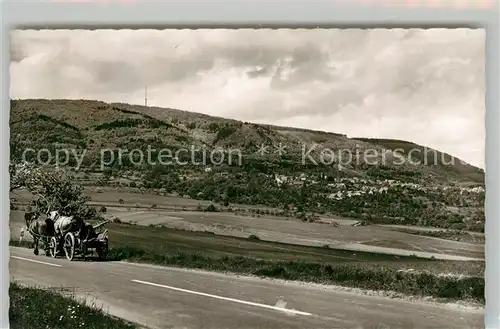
[{"x": 146, "y": 96}]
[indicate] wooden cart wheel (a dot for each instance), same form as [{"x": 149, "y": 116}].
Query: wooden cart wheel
[
  {"x": 69, "y": 246},
  {"x": 53, "y": 247}
]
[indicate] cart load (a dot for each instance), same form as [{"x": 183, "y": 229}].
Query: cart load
[{"x": 81, "y": 243}]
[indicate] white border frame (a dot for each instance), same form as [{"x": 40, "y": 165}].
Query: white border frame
[{"x": 234, "y": 14}]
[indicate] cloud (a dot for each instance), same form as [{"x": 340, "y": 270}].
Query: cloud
[{"x": 425, "y": 86}]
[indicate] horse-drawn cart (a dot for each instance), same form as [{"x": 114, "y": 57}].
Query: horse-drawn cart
[{"x": 80, "y": 243}]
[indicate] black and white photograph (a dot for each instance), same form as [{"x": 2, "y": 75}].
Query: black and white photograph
[{"x": 247, "y": 178}]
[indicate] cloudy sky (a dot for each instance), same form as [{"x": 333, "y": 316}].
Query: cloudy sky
[{"x": 425, "y": 86}]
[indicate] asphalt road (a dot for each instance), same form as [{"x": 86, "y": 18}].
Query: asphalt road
[{"x": 159, "y": 297}]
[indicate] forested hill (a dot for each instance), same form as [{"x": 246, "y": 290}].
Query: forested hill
[
  {"x": 94, "y": 125},
  {"x": 312, "y": 173}
]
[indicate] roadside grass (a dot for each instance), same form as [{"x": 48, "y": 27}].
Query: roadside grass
[
  {"x": 449, "y": 280},
  {"x": 34, "y": 308},
  {"x": 23, "y": 244}
]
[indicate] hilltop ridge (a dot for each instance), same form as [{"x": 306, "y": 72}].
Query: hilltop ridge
[{"x": 94, "y": 124}]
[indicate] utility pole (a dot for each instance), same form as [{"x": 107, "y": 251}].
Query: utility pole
[{"x": 146, "y": 96}]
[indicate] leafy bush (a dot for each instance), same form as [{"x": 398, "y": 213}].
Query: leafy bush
[
  {"x": 253, "y": 237},
  {"x": 53, "y": 189},
  {"x": 211, "y": 208}
]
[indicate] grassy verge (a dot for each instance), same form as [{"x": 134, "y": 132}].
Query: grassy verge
[{"x": 32, "y": 308}]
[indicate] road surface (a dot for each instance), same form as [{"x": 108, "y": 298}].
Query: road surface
[{"x": 160, "y": 297}]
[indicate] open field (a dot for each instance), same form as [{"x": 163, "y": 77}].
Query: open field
[
  {"x": 296, "y": 232},
  {"x": 429, "y": 229},
  {"x": 133, "y": 197},
  {"x": 376, "y": 238},
  {"x": 454, "y": 235},
  {"x": 168, "y": 241}
]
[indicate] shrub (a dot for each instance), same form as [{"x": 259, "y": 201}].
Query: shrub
[
  {"x": 253, "y": 237},
  {"x": 54, "y": 189},
  {"x": 211, "y": 208}
]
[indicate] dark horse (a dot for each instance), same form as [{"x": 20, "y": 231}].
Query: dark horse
[{"x": 40, "y": 229}]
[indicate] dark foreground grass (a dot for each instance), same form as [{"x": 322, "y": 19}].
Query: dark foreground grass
[
  {"x": 32, "y": 308},
  {"x": 349, "y": 275}
]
